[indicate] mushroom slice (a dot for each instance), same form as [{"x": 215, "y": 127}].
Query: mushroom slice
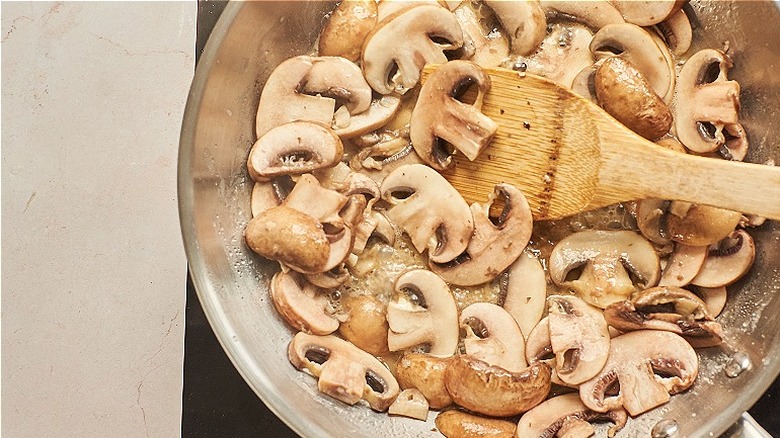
[
  {"x": 647, "y": 13},
  {"x": 365, "y": 323},
  {"x": 347, "y": 28},
  {"x": 265, "y": 195},
  {"x": 547, "y": 419},
  {"x": 410, "y": 403},
  {"x": 683, "y": 265},
  {"x": 727, "y": 261},
  {"x": 596, "y": 13},
  {"x": 291, "y": 237},
  {"x": 495, "y": 245},
  {"x": 373, "y": 224},
  {"x": 677, "y": 32},
  {"x": 563, "y": 54},
  {"x": 670, "y": 309},
  {"x": 425, "y": 373},
  {"x": 292, "y": 149},
  {"x": 422, "y": 313},
  {"x": 340, "y": 79},
  {"x": 644, "y": 367},
  {"x": 494, "y": 391},
  {"x": 387, "y": 8},
  {"x": 609, "y": 260},
  {"x": 579, "y": 338},
  {"x": 345, "y": 372},
  {"x": 699, "y": 225},
  {"x": 303, "y": 305},
  {"x": 455, "y": 423},
  {"x": 429, "y": 210},
  {"x": 492, "y": 335},
  {"x": 491, "y": 48},
  {"x": 538, "y": 348},
  {"x": 427, "y": 31},
  {"x": 714, "y": 298},
  {"x": 439, "y": 117},
  {"x": 526, "y": 290},
  {"x": 706, "y": 101},
  {"x": 524, "y": 21},
  {"x": 638, "y": 47},
  {"x": 651, "y": 220},
  {"x": 329, "y": 279},
  {"x": 378, "y": 114}
]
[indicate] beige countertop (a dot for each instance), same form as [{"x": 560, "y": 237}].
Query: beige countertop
[{"x": 93, "y": 269}]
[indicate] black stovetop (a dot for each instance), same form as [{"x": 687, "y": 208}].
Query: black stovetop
[{"x": 217, "y": 402}]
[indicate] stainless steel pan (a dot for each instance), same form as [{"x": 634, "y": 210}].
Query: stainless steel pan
[{"x": 250, "y": 39}]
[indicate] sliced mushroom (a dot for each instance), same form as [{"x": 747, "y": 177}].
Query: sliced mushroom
[
  {"x": 713, "y": 297},
  {"x": 329, "y": 279},
  {"x": 524, "y": 21},
  {"x": 386, "y": 8},
  {"x": 596, "y": 13},
  {"x": 494, "y": 391},
  {"x": 647, "y": 13},
  {"x": 439, "y": 118},
  {"x": 547, "y": 419},
  {"x": 365, "y": 323},
  {"x": 609, "y": 260},
  {"x": 496, "y": 244},
  {"x": 303, "y": 305},
  {"x": 579, "y": 338},
  {"x": 563, "y": 54},
  {"x": 736, "y": 146},
  {"x": 625, "y": 94},
  {"x": 373, "y": 224},
  {"x": 341, "y": 79},
  {"x": 706, "y": 101},
  {"x": 493, "y": 336},
  {"x": 347, "y": 28},
  {"x": 293, "y": 238},
  {"x": 378, "y": 114},
  {"x": 727, "y": 261},
  {"x": 264, "y": 196},
  {"x": 491, "y": 48},
  {"x": 526, "y": 290},
  {"x": 429, "y": 210},
  {"x": 683, "y": 265},
  {"x": 459, "y": 424},
  {"x": 637, "y": 46},
  {"x": 699, "y": 225},
  {"x": 425, "y": 373},
  {"x": 422, "y": 313},
  {"x": 667, "y": 308},
  {"x": 410, "y": 403},
  {"x": 538, "y": 348},
  {"x": 345, "y": 372},
  {"x": 651, "y": 220},
  {"x": 644, "y": 367},
  {"x": 677, "y": 32},
  {"x": 292, "y": 149},
  {"x": 401, "y": 45}
]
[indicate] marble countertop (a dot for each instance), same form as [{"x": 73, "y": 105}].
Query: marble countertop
[{"x": 93, "y": 268}]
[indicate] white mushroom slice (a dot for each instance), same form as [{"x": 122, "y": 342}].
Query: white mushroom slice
[
  {"x": 677, "y": 32},
  {"x": 524, "y": 21},
  {"x": 647, "y": 366},
  {"x": 549, "y": 417},
  {"x": 264, "y": 196},
  {"x": 647, "y": 13},
  {"x": 638, "y": 47},
  {"x": 423, "y": 313},
  {"x": 281, "y": 100},
  {"x": 345, "y": 372},
  {"x": 491, "y": 48},
  {"x": 420, "y": 28},
  {"x": 564, "y": 53},
  {"x": 683, "y": 265},
  {"x": 495, "y": 245},
  {"x": 386, "y": 8},
  {"x": 579, "y": 338},
  {"x": 714, "y": 298},
  {"x": 292, "y": 149},
  {"x": 373, "y": 224},
  {"x": 736, "y": 146},
  {"x": 329, "y": 279},
  {"x": 347, "y": 28},
  {"x": 706, "y": 101},
  {"x": 728, "y": 261},
  {"x": 378, "y": 114},
  {"x": 303, "y": 305},
  {"x": 340, "y": 79},
  {"x": 595, "y": 13},
  {"x": 429, "y": 210},
  {"x": 539, "y": 349},
  {"x": 606, "y": 258},
  {"x": 493, "y": 336},
  {"x": 410, "y": 403},
  {"x": 440, "y": 122},
  {"x": 526, "y": 290}
]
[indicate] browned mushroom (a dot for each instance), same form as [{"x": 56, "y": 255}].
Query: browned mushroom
[
  {"x": 425, "y": 373},
  {"x": 303, "y": 305},
  {"x": 699, "y": 225},
  {"x": 547, "y": 419},
  {"x": 365, "y": 323},
  {"x": 347, "y": 28},
  {"x": 455, "y": 423}
]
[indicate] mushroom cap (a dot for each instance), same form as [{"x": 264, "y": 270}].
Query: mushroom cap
[
  {"x": 425, "y": 373},
  {"x": 494, "y": 246},
  {"x": 365, "y": 324},
  {"x": 524, "y": 21},
  {"x": 347, "y": 28},
  {"x": 345, "y": 372},
  {"x": 494, "y": 391},
  {"x": 340, "y": 79},
  {"x": 423, "y": 312},
  {"x": 416, "y": 27},
  {"x": 292, "y": 149},
  {"x": 648, "y": 365},
  {"x": 429, "y": 210},
  {"x": 579, "y": 338},
  {"x": 596, "y": 13},
  {"x": 457, "y": 423},
  {"x": 699, "y": 225},
  {"x": 493, "y": 336},
  {"x": 303, "y": 305},
  {"x": 647, "y": 13},
  {"x": 606, "y": 256},
  {"x": 379, "y": 113},
  {"x": 548, "y": 418},
  {"x": 722, "y": 267},
  {"x": 439, "y": 117},
  {"x": 526, "y": 291}
]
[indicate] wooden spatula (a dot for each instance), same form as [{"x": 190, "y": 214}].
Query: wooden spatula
[{"x": 568, "y": 155}]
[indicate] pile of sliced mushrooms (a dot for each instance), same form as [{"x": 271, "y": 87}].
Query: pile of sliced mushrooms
[{"x": 408, "y": 299}]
